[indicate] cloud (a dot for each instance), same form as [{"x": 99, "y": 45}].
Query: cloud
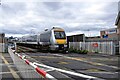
[
  {"x": 22, "y": 17},
  {"x": 61, "y": 0},
  {"x": 53, "y": 5}
]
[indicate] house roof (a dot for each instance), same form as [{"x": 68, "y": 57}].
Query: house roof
[{"x": 75, "y": 35}]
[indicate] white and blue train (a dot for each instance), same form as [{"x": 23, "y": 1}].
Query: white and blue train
[{"x": 53, "y": 39}]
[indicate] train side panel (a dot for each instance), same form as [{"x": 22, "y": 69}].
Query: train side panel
[{"x": 45, "y": 38}]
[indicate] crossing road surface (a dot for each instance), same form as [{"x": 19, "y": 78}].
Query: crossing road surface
[
  {"x": 68, "y": 66},
  {"x": 105, "y": 66}
]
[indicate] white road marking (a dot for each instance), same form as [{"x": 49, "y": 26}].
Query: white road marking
[
  {"x": 101, "y": 72},
  {"x": 65, "y": 71}
]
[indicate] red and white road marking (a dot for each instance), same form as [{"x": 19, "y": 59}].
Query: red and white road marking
[{"x": 68, "y": 72}]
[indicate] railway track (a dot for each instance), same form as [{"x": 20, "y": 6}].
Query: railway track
[{"x": 26, "y": 49}]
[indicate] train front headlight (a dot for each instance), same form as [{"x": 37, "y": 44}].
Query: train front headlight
[
  {"x": 65, "y": 45},
  {"x": 56, "y": 46}
]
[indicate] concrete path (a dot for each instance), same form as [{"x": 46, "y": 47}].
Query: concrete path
[{"x": 8, "y": 70}]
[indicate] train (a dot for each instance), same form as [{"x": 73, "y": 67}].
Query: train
[{"x": 54, "y": 40}]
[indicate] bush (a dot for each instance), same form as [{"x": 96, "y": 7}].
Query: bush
[
  {"x": 85, "y": 51},
  {"x": 70, "y": 50},
  {"x": 96, "y": 52},
  {"x": 74, "y": 51},
  {"x": 82, "y": 51},
  {"x": 78, "y": 51}
]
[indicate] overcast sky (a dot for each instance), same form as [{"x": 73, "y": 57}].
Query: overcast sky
[{"x": 19, "y": 17}]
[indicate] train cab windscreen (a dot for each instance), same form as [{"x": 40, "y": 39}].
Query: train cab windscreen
[{"x": 59, "y": 35}]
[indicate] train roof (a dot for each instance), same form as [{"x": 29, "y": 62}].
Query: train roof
[
  {"x": 53, "y": 28},
  {"x": 58, "y": 29}
]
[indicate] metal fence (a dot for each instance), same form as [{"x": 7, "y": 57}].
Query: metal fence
[
  {"x": 2, "y": 47},
  {"x": 26, "y": 71},
  {"x": 100, "y": 47}
]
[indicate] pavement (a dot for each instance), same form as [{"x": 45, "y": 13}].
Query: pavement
[{"x": 8, "y": 71}]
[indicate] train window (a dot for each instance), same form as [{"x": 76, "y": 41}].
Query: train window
[{"x": 59, "y": 34}]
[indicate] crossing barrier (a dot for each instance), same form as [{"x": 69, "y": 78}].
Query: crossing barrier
[{"x": 86, "y": 77}]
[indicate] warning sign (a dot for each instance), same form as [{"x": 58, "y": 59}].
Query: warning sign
[{"x": 95, "y": 44}]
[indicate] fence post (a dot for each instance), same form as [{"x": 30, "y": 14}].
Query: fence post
[
  {"x": 15, "y": 46},
  {"x": 69, "y": 45},
  {"x": 111, "y": 51},
  {"x": 119, "y": 47}
]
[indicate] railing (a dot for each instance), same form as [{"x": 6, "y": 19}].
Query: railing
[{"x": 101, "y": 47}]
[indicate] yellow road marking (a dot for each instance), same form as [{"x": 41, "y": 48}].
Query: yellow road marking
[
  {"x": 94, "y": 63},
  {"x": 15, "y": 75},
  {"x": 61, "y": 62},
  {"x": 85, "y": 60},
  {"x": 46, "y": 57},
  {"x": 93, "y": 70},
  {"x": 77, "y": 59}
]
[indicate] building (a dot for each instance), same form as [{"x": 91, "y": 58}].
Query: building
[
  {"x": 3, "y": 43},
  {"x": 111, "y": 33},
  {"x": 75, "y": 38},
  {"x": 92, "y": 39},
  {"x": 117, "y": 23}
]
